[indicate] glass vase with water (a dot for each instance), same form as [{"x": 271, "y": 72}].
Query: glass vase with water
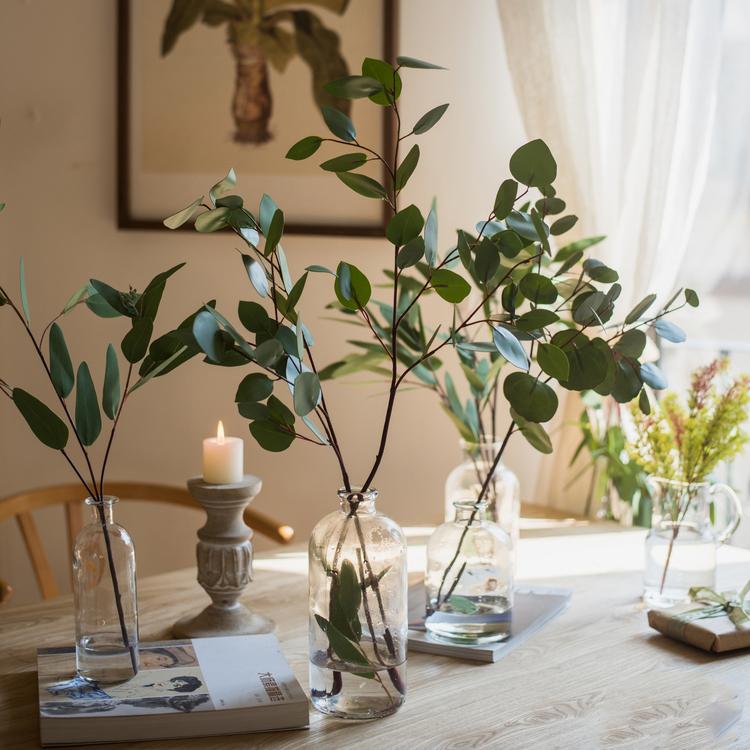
[{"x": 682, "y": 542}]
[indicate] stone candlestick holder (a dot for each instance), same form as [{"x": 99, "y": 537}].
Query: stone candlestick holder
[{"x": 225, "y": 562}]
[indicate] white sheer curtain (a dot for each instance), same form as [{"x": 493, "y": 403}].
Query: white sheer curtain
[{"x": 624, "y": 92}]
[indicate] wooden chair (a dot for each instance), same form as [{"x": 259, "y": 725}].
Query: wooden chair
[{"x": 23, "y": 504}]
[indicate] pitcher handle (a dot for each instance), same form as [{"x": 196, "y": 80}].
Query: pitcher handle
[{"x": 735, "y": 507}]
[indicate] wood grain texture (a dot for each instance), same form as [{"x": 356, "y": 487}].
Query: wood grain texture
[{"x": 596, "y": 677}]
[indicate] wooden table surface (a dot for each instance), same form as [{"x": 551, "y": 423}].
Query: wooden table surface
[{"x": 596, "y": 677}]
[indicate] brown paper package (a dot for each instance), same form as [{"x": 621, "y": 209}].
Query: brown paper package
[{"x": 715, "y": 634}]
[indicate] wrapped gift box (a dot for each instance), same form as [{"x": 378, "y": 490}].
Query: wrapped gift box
[{"x": 715, "y": 633}]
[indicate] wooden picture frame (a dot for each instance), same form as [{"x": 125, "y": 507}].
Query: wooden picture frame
[{"x": 128, "y": 218}]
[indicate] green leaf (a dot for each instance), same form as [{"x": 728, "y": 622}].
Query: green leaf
[
  {"x": 339, "y": 124},
  {"x": 61, "y": 368},
  {"x": 537, "y": 319},
  {"x": 269, "y": 352},
  {"x": 148, "y": 304},
  {"x": 538, "y": 288},
  {"x": 213, "y": 220},
  {"x": 178, "y": 219},
  {"x": 319, "y": 269},
  {"x": 404, "y": 226},
  {"x": 255, "y": 318},
  {"x": 487, "y": 260},
  {"x": 598, "y": 271},
  {"x": 569, "y": 263},
  {"x": 563, "y": 224},
  {"x": 306, "y": 393},
  {"x": 505, "y": 198},
  {"x": 429, "y": 119},
  {"x": 631, "y": 343},
  {"x": 407, "y": 167},
  {"x": 111, "y": 389},
  {"x": 345, "y": 162},
  {"x": 575, "y": 247},
  {"x": 534, "y": 433},
  {"x": 529, "y": 397},
  {"x": 541, "y": 229},
  {"x": 349, "y": 592},
  {"x": 135, "y": 343},
  {"x": 76, "y": 298},
  {"x": 286, "y": 277},
  {"x": 257, "y": 275},
  {"x": 411, "y": 253},
  {"x": 275, "y": 232},
  {"x": 114, "y": 299},
  {"x": 691, "y": 297},
  {"x": 588, "y": 363},
  {"x": 271, "y": 436},
  {"x": 533, "y": 164},
  {"x": 222, "y": 186},
  {"x": 553, "y": 361},
  {"x": 266, "y": 212},
  {"x": 304, "y": 148},
  {"x": 362, "y": 184},
  {"x": 640, "y": 308},
  {"x": 510, "y": 347},
  {"x": 254, "y": 387},
  {"x": 627, "y": 384},
  {"x": 413, "y": 62},
  {"x": 354, "y": 87},
  {"x": 653, "y": 376},
  {"x": 547, "y": 206},
  {"x": 48, "y": 428},
  {"x": 643, "y": 403},
  {"x": 100, "y": 307},
  {"x": 24, "y": 295},
  {"x": 587, "y": 306},
  {"x": 296, "y": 292},
  {"x": 431, "y": 236},
  {"x": 449, "y": 285},
  {"x": 669, "y": 331},
  {"x": 522, "y": 224},
  {"x": 345, "y": 649},
  {"x": 206, "y": 332},
  {"x": 88, "y": 417},
  {"x": 352, "y": 287},
  {"x": 384, "y": 73}
]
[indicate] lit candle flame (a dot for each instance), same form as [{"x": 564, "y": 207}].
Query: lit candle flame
[{"x": 220, "y": 432}]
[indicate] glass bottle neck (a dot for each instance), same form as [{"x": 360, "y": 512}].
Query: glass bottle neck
[
  {"x": 356, "y": 503},
  {"x": 467, "y": 511},
  {"x": 102, "y": 508}
]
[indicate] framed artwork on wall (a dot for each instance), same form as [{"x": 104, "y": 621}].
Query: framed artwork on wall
[{"x": 205, "y": 85}]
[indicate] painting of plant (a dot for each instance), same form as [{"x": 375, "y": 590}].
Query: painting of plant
[{"x": 262, "y": 33}]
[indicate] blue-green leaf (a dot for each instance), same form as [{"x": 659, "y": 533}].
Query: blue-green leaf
[{"x": 87, "y": 415}]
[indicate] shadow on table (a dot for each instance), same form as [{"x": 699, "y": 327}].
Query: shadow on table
[{"x": 690, "y": 654}]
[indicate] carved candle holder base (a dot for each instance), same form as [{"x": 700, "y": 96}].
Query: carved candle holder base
[{"x": 225, "y": 562}]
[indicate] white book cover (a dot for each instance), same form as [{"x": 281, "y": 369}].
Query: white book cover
[
  {"x": 533, "y": 607},
  {"x": 190, "y": 688}
]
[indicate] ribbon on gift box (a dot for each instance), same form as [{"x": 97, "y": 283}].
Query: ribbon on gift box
[{"x": 735, "y": 605}]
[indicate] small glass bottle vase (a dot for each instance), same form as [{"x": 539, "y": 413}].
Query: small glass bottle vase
[
  {"x": 469, "y": 578},
  {"x": 687, "y": 526},
  {"x": 104, "y": 588},
  {"x": 503, "y": 494},
  {"x": 358, "y": 611}
]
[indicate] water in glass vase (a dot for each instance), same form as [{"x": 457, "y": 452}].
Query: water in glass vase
[{"x": 106, "y": 610}]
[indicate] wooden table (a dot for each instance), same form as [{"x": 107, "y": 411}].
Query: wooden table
[{"x": 596, "y": 677}]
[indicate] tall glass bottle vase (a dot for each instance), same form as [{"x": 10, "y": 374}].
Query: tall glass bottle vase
[
  {"x": 503, "y": 495},
  {"x": 104, "y": 588},
  {"x": 358, "y": 611}
]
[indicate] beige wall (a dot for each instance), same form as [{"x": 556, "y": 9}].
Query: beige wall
[{"x": 57, "y": 174}]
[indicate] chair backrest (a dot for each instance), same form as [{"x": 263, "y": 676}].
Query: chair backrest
[{"x": 22, "y": 505}]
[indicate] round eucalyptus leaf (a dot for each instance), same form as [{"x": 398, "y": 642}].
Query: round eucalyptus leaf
[
  {"x": 538, "y": 289},
  {"x": 135, "y": 343},
  {"x": 631, "y": 343},
  {"x": 505, "y": 198},
  {"x": 253, "y": 410},
  {"x": 306, "y": 393},
  {"x": 268, "y": 353},
  {"x": 449, "y": 285},
  {"x": 352, "y": 287},
  {"x": 254, "y": 387},
  {"x": 255, "y": 318},
  {"x": 553, "y": 361},
  {"x": 207, "y": 335},
  {"x": 487, "y": 260},
  {"x": 600, "y": 272},
  {"x": 563, "y": 224},
  {"x": 551, "y": 205},
  {"x": 536, "y": 319},
  {"x": 533, "y": 164},
  {"x": 588, "y": 365},
  {"x": 586, "y": 307},
  {"x": 627, "y": 384},
  {"x": 691, "y": 297},
  {"x": 522, "y": 224},
  {"x": 411, "y": 253},
  {"x": 404, "y": 226},
  {"x": 271, "y": 436},
  {"x": 529, "y": 397}
]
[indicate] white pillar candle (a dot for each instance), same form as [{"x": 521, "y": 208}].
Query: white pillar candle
[{"x": 223, "y": 458}]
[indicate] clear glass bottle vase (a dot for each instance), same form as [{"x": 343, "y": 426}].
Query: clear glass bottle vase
[
  {"x": 469, "y": 578},
  {"x": 503, "y": 495},
  {"x": 104, "y": 588},
  {"x": 358, "y": 611}
]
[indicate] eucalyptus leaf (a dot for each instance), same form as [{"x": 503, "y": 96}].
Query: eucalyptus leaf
[
  {"x": 24, "y": 294},
  {"x": 449, "y": 285},
  {"x": 88, "y": 418},
  {"x": 510, "y": 347},
  {"x": 640, "y": 308},
  {"x": 563, "y": 224},
  {"x": 670, "y": 331},
  {"x": 304, "y": 148},
  {"x": 407, "y": 167},
  {"x": 254, "y": 387},
  {"x": 404, "y": 226},
  {"x": 60, "y": 365},
  {"x": 533, "y": 164},
  {"x": 429, "y": 119},
  {"x": 631, "y": 343},
  {"x": 135, "y": 343},
  {"x": 257, "y": 275},
  {"x": 362, "y": 184},
  {"x": 48, "y": 428},
  {"x": 553, "y": 361},
  {"x": 271, "y": 436},
  {"x": 111, "y": 389},
  {"x": 339, "y": 124},
  {"x": 306, "y": 393},
  {"x": 413, "y": 62},
  {"x": 653, "y": 376},
  {"x": 534, "y": 433},
  {"x": 505, "y": 198},
  {"x": 353, "y": 87},
  {"x": 222, "y": 186},
  {"x": 207, "y": 335},
  {"x": 411, "y": 253},
  {"x": 268, "y": 353},
  {"x": 345, "y": 162},
  {"x": 275, "y": 232},
  {"x": 431, "y": 236},
  {"x": 352, "y": 287},
  {"x": 213, "y": 220},
  {"x": 529, "y": 397}
]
